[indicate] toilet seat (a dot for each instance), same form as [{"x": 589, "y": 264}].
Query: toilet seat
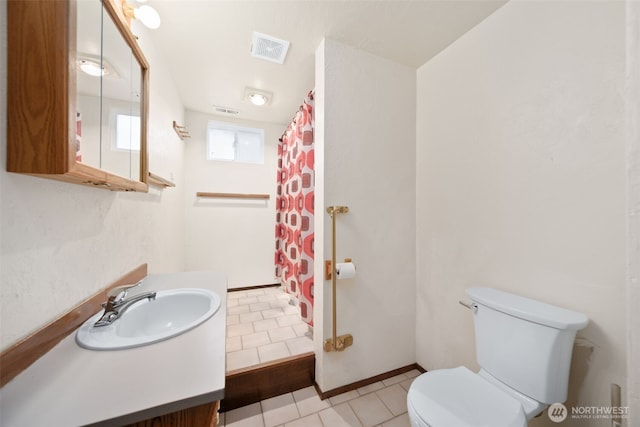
[{"x": 460, "y": 398}]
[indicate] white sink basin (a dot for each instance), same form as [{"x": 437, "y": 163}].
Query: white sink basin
[{"x": 172, "y": 313}]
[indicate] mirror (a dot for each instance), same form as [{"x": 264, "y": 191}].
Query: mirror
[{"x": 110, "y": 114}]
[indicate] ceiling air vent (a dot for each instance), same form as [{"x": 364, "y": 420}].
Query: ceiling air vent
[
  {"x": 225, "y": 110},
  {"x": 269, "y": 48}
]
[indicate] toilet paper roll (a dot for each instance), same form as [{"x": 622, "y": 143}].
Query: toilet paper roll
[{"x": 345, "y": 270}]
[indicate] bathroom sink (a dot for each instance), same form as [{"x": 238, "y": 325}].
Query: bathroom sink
[{"x": 173, "y": 312}]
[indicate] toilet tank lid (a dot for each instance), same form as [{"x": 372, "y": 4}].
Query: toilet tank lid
[{"x": 528, "y": 309}]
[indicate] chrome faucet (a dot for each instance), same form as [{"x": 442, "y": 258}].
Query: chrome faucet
[{"x": 117, "y": 303}]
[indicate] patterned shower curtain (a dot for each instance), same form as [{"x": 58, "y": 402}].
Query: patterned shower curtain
[{"x": 294, "y": 209}]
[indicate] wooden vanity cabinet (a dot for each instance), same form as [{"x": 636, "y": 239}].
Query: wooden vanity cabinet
[
  {"x": 201, "y": 416},
  {"x": 41, "y": 96}
]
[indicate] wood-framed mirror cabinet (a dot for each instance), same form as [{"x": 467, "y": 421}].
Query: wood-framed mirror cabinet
[{"x": 43, "y": 134}]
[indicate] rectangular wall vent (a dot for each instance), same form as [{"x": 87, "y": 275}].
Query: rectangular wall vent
[
  {"x": 225, "y": 110},
  {"x": 269, "y": 48}
]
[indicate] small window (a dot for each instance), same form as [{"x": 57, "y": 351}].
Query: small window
[
  {"x": 127, "y": 132},
  {"x": 235, "y": 144}
]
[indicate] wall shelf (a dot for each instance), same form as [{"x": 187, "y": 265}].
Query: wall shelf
[
  {"x": 232, "y": 195},
  {"x": 159, "y": 181},
  {"x": 181, "y": 131}
]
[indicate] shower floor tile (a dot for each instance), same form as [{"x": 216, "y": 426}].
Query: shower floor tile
[{"x": 262, "y": 326}]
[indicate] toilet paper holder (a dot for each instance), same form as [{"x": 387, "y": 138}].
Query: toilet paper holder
[{"x": 328, "y": 268}]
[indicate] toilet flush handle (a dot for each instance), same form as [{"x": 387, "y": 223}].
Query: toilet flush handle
[{"x": 473, "y": 306}]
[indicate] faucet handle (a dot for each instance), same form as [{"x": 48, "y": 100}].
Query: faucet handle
[{"x": 114, "y": 293}]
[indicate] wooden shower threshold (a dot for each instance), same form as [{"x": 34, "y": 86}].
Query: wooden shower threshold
[{"x": 258, "y": 382}]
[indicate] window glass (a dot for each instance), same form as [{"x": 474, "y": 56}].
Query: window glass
[
  {"x": 127, "y": 132},
  {"x": 221, "y": 144},
  {"x": 233, "y": 143},
  {"x": 249, "y": 147}
]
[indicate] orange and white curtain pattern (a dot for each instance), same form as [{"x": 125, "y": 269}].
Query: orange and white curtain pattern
[{"x": 294, "y": 209}]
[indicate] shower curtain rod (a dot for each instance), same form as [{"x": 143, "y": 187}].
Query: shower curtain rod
[{"x": 311, "y": 94}]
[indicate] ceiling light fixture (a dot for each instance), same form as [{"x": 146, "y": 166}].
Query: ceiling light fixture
[
  {"x": 96, "y": 66},
  {"x": 145, "y": 14},
  {"x": 91, "y": 67},
  {"x": 257, "y": 97}
]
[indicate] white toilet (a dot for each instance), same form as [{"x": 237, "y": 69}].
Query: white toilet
[{"x": 524, "y": 351}]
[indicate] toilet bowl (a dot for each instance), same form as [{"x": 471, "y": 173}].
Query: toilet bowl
[
  {"x": 524, "y": 351},
  {"x": 460, "y": 398}
]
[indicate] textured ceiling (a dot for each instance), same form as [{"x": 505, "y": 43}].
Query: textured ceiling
[{"x": 208, "y": 43}]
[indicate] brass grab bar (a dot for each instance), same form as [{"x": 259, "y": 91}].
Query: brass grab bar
[{"x": 335, "y": 343}]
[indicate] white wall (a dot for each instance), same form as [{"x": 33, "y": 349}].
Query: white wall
[
  {"x": 521, "y": 182},
  {"x": 633, "y": 190},
  {"x": 365, "y": 148},
  {"x": 60, "y": 243},
  {"x": 165, "y": 214},
  {"x": 231, "y": 235}
]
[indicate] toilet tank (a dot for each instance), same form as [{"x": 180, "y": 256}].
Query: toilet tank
[{"x": 525, "y": 343}]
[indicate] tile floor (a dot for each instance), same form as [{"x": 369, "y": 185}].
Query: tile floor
[
  {"x": 382, "y": 404},
  {"x": 262, "y": 326}
]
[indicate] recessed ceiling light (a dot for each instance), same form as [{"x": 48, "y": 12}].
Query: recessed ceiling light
[
  {"x": 96, "y": 66},
  {"x": 92, "y": 68},
  {"x": 257, "y": 97}
]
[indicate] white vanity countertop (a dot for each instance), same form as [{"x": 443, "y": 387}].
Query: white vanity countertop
[{"x": 72, "y": 386}]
